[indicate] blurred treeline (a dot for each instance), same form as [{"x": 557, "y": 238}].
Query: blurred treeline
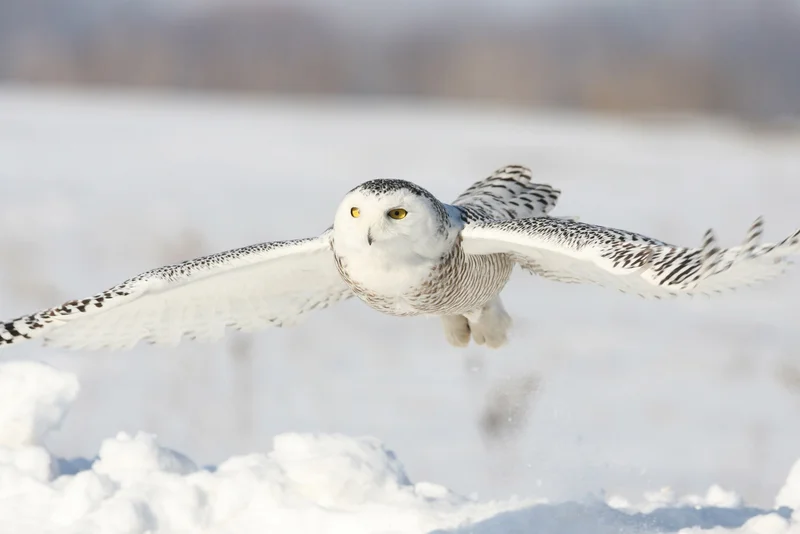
[{"x": 732, "y": 57}]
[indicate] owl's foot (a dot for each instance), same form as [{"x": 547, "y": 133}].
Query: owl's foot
[
  {"x": 487, "y": 326},
  {"x": 456, "y": 330}
]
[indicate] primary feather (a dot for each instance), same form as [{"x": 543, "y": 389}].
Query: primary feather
[
  {"x": 576, "y": 252},
  {"x": 270, "y": 284}
]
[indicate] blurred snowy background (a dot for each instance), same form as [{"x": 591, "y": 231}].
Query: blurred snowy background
[{"x": 138, "y": 133}]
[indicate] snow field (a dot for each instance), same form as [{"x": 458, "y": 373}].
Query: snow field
[{"x": 322, "y": 483}]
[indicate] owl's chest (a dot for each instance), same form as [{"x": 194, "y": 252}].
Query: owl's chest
[{"x": 386, "y": 284}]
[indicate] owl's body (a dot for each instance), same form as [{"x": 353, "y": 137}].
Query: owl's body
[
  {"x": 453, "y": 285},
  {"x": 462, "y": 289},
  {"x": 403, "y": 253},
  {"x": 404, "y": 275}
]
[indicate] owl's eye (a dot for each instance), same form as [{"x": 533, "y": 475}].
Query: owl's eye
[
  {"x": 398, "y": 213},
  {"x": 355, "y": 212}
]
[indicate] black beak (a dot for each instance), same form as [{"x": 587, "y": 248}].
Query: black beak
[{"x": 369, "y": 237}]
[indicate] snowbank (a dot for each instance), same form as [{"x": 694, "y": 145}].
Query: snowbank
[
  {"x": 34, "y": 398},
  {"x": 307, "y": 483}
]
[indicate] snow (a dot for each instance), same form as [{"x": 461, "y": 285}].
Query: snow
[
  {"x": 307, "y": 483},
  {"x": 597, "y": 395},
  {"x": 324, "y": 483},
  {"x": 789, "y": 495},
  {"x": 36, "y": 400}
]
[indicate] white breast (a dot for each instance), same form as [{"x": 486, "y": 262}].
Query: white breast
[{"x": 386, "y": 275}]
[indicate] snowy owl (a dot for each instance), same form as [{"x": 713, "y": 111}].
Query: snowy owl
[{"x": 404, "y": 253}]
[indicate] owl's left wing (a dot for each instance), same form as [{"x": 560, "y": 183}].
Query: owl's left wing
[
  {"x": 508, "y": 193},
  {"x": 575, "y": 252},
  {"x": 270, "y": 284}
]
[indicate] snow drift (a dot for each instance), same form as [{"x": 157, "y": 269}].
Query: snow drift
[{"x": 307, "y": 483}]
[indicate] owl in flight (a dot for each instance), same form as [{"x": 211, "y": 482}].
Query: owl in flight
[{"x": 404, "y": 253}]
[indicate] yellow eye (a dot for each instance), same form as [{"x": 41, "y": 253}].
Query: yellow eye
[
  {"x": 398, "y": 213},
  {"x": 355, "y": 212}
]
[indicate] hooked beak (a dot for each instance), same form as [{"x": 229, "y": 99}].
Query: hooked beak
[{"x": 369, "y": 237}]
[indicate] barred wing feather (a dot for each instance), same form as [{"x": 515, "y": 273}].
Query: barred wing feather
[
  {"x": 269, "y": 284},
  {"x": 575, "y": 252},
  {"x": 508, "y": 193}
]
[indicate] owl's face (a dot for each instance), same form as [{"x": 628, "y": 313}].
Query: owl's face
[{"x": 391, "y": 217}]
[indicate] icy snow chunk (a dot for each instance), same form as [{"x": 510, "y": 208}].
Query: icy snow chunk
[
  {"x": 80, "y": 495},
  {"x": 715, "y": 497},
  {"x": 117, "y": 515},
  {"x": 789, "y": 495},
  {"x": 127, "y": 459},
  {"x": 722, "y": 498},
  {"x": 618, "y": 502},
  {"x": 766, "y": 524},
  {"x": 34, "y": 398},
  {"x": 154, "y": 487},
  {"x": 239, "y": 481},
  {"x": 429, "y": 490},
  {"x": 337, "y": 470},
  {"x": 653, "y": 500},
  {"x": 24, "y": 473},
  {"x": 34, "y": 462},
  {"x": 169, "y": 501}
]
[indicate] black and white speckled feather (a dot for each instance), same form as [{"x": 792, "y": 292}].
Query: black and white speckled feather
[
  {"x": 268, "y": 284},
  {"x": 575, "y": 252},
  {"x": 507, "y": 194}
]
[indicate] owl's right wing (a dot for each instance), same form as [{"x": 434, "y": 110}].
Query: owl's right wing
[
  {"x": 269, "y": 284},
  {"x": 576, "y": 252}
]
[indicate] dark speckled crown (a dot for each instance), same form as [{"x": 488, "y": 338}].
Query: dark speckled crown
[
  {"x": 383, "y": 186},
  {"x": 379, "y": 187}
]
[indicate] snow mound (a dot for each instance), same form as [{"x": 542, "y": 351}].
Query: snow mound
[
  {"x": 789, "y": 495},
  {"x": 307, "y": 483},
  {"x": 34, "y": 398},
  {"x": 339, "y": 471},
  {"x": 716, "y": 496},
  {"x": 127, "y": 459}
]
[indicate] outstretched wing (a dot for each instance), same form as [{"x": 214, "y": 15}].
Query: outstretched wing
[
  {"x": 270, "y": 284},
  {"x": 507, "y": 194},
  {"x": 575, "y": 252}
]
